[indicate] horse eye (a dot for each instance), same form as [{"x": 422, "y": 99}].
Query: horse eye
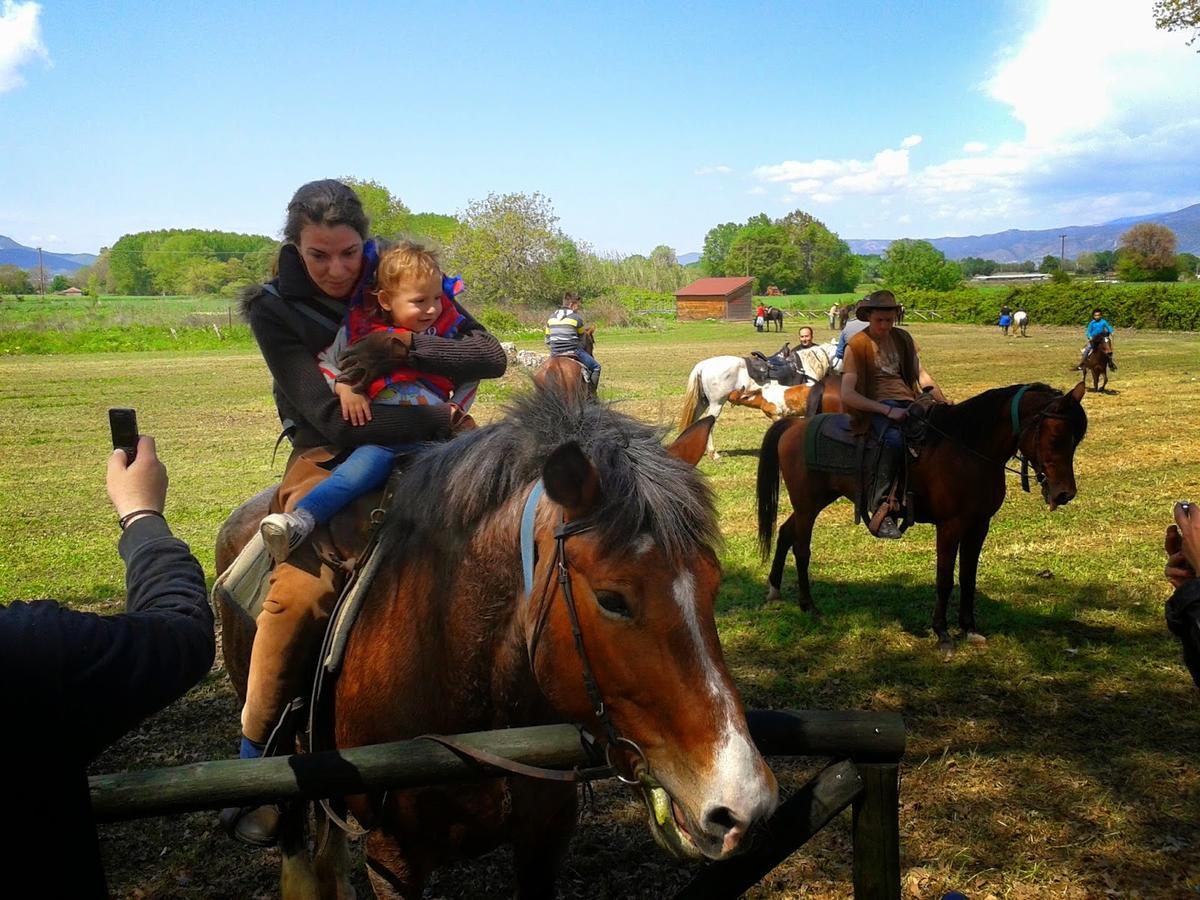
[{"x": 611, "y": 601}]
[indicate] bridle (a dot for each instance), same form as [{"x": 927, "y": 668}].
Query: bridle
[{"x": 560, "y": 565}]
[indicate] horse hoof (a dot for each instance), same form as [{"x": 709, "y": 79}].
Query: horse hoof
[
  {"x": 945, "y": 645},
  {"x": 974, "y": 637},
  {"x": 773, "y": 595},
  {"x": 716, "y": 456}
]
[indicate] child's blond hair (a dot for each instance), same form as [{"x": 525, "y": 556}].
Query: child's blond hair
[{"x": 404, "y": 261}]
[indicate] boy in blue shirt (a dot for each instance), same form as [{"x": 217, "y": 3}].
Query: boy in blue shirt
[{"x": 1097, "y": 328}]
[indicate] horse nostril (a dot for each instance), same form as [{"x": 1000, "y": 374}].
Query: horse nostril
[
  {"x": 1064, "y": 497},
  {"x": 720, "y": 820}
]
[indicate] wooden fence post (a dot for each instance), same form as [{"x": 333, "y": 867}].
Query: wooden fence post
[{"x": 876, "y": 829}]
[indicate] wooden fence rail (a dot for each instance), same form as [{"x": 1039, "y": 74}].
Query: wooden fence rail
[{"x": 868, "y": 745}]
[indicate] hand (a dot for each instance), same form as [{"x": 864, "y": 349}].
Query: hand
[
  {"x": 460, "y": 421},
  {"x": 897, "y": 413},
  {"x": 936, "y": 393},
  {"x": 374, "y": 357},
  {"x": 1183, "y": 544},
  {"x": 142, "y": 485},
  {"x": 356, "y": 408}
]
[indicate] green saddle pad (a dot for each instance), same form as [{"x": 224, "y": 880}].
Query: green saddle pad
[{"x": 829, "y": 446}]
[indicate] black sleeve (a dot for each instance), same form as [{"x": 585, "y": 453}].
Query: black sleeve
[
  {"x": 473, "y": 355},
  {"x": 295, "y": 371},
  {"x": 1183, "y": 621},
  {"x": 89, "y": 678}
]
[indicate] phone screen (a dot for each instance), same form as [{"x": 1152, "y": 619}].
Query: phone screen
[{"x": 123, "y": 422}]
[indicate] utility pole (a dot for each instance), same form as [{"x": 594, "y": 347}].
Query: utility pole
[
  {"x": 1062, "y": 253},
  {"x": 41, "y": 275}
]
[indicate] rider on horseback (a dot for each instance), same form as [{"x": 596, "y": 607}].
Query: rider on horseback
[
  {"x": 564, "y": 336},
  {"x": 1097, "y": 330},
  {"x": 882, "y": 377}
]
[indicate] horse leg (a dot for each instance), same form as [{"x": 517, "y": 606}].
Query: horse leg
[
  {"x": 333, "y": 863},
  {"x": 393, "y": 875},
  {"x": 543, "y": 818},
  {"x": 802, "y": 550},
  {"x": 297, "y": 880},
  {"x": 714, "y": 410},
  {"x": 968, "y": 567},
  {"x": 782, "y": 546},
  {"x": 948, "y": 537}
]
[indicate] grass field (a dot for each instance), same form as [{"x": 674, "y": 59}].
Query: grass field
[{"x": 1059, "y": 760}]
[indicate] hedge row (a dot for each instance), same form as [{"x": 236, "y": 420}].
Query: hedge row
[{"x": 1174, "y": 307}]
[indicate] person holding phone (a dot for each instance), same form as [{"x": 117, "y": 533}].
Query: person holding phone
[
  {"x": 74, "y": 682},
  {"x": 1183, "y": 562}
]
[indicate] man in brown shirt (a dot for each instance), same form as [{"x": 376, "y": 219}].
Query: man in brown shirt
[{"x": 882, "y": 375}]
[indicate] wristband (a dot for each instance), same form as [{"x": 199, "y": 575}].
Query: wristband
[{"x": 124, "y": 520}]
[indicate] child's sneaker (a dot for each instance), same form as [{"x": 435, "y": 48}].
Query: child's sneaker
[{"x": 284, "y": 532}]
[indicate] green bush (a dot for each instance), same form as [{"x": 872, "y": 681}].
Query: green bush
[
  {"x": 1170, "y": 306},
  {"x": 498, "y": 320}
]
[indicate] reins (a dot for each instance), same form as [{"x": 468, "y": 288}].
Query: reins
[{"x": 1019, "y": 431}]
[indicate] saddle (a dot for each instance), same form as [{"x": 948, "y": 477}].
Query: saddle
[{"x": 783, "y": 367}]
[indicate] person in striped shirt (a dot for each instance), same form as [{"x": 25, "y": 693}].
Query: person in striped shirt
[{"x": 564, "y": 337}]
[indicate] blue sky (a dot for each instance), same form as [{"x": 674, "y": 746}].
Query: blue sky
[{"x": 642, "y": 123}]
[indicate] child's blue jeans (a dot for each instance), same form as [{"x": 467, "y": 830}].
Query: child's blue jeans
[{"x": 365, "y": 470}]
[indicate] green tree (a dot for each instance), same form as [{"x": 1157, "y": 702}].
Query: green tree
[
  {"x": 1178, "y": 15},
  {"x": 506, "y": 246},
  {"x": 1148, "y": 254},
  {"x": 716, "y": 248},
  {"x": 1050, "y": 263},
  {"x": 974, "y": 265},
  {"x": 1188, "y": 263},
  {"x": 1085, "y": 263},
  {"x": 14, "y": 280},
  {"x": 389, "y": 216},
  {"x": 918, "y": 264},
  {"x": 1106, "y": 261},
  {"x": 764, "y": 252},
  {"x": 59, "y": 283},
  {"x": 664, "y": 257},
  {"x": 827, "y": 265},
  {"x": 871, "y": 265}
]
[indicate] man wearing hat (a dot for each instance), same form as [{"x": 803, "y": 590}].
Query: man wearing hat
[{"x": 882, "y": 375}]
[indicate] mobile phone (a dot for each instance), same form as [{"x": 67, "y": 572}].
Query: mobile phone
[{"x": 123, "y": 422}]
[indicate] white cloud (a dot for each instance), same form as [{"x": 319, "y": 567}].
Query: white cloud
[
  {"x": 1108, "y": 119},
  {"x": 20, "y": 41},
  {"x": 713, "y": 170},
  {"x": 757, "y": 190}
]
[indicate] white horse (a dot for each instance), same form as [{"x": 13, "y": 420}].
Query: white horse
[{"x": 711, "y": 382}]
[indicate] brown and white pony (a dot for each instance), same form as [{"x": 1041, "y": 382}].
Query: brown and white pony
[
  {"x": 450, "y": 641},
  {"x": 1098, "y": 361},
  {"x": 776, "y": 401}
]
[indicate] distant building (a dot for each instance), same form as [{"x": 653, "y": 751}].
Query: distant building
[
  {"x": 716, "y": 298},
  {"x": 1011, "y": 277},
  {"x": 71, "y": 292}
]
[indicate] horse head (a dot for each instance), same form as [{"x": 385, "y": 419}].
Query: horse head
[
  {"x": 638, "y": 660},
  {"x": 1048, "y": 440},
  {"x": 588, "y": 339}
]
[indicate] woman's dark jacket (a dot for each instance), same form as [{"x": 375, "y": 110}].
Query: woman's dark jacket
[{"x": 296, "y": 321}]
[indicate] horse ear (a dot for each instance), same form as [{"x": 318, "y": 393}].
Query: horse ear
[
  {"x": 690, "y": 445},
  {"x": 1078, "y": 391},
  {"x": 571, "y": 480}
]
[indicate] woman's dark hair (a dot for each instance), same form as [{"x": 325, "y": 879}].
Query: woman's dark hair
[
  {"x": 1097, "y": 310},
  {"x": 325, "y": 202}
]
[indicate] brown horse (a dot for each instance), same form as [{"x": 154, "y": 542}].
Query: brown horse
[
  {"x": 566, "y": 372},
  {"x": 776, "y": 401},
  {"x": 1098, "y": 361},
  {"x": 452, "y": 640},
  {"x": 957, "y": 483}
]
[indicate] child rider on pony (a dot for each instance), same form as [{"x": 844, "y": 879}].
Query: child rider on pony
[
  {"x": 411, "y": 295},
  {"x": 1097, "y": 328}
]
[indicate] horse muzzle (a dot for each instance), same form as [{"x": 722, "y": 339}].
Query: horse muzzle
[
  {"x": 720, "y": 832},
  {"x": 1056, "y": 496}
]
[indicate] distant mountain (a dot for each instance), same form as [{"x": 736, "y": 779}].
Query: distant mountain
[
  {"x": 14, "y": 254},
  {"x": 686, "y": 259},
  {"x": 1015, "y": 245}
]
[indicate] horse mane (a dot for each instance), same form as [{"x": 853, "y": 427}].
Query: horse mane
[
  {"x": 450, "y": 488},
  {"x": 975, "y": 416}
]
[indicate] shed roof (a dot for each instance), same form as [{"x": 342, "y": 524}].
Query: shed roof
[{"x": 708, "y": 287}]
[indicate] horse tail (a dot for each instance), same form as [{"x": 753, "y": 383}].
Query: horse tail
[
  {"x": 693, "y": 400},
  {"x": 768, "y": 485}
]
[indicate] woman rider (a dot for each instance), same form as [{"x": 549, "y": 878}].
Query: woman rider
[{"x": 326, "y": 261}]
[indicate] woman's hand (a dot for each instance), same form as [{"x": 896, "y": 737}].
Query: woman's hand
[
  {"x": 373, "y": 357},
  {"x": 356, "y": 408},
  {"x": 897, "y": 413}
]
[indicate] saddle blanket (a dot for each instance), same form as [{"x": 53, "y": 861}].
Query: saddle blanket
[{"x": 829, "y": 446}]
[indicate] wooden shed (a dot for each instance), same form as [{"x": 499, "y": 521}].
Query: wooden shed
[{"x": 716, "y": 298}]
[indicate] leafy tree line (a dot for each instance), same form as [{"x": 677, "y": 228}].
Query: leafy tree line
[{"x": 796, "y": 253}]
